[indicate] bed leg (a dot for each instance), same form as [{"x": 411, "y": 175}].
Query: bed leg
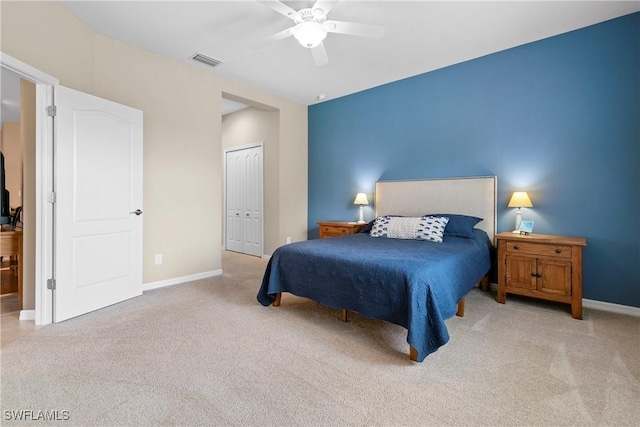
[
  {"x": 484, "y": 283},
  {"x": 344, "y": 315},
  {"x": 460, "y": 312},
  {"x": 413, "y": 353},
  {"x": 276, "y": 303}
]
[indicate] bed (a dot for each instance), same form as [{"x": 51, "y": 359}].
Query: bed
[{"x": 412, "y": 283}]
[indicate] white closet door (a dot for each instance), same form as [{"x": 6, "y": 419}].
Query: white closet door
[
  {"x": 252, "y": 202},
  {"x": 234, "y": 207},
  {"x": 244, "y": 200}
]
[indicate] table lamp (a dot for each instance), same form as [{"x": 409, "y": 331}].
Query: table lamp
[
  {"x": 519, "y": 200},
  {"x": 361, "y": 199}
]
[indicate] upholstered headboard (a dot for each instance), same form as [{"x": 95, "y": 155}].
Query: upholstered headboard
[{"x": 475, "y": 196}]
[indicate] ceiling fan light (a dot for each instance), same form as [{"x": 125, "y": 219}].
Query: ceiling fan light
[{"x": 309, "y": 33}]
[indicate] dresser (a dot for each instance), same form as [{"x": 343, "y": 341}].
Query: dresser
[
  {"x": 338, "y": 228},
  {"x": 11, "y": 248},
  {"x": 542, "y": 266}
]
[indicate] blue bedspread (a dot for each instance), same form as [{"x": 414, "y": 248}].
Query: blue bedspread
[{"x": 412, "y": 283}]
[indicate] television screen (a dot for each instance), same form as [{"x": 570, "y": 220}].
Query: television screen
[{"x": 4, "y": 195}]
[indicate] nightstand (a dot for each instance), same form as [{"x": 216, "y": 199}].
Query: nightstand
[
  {"x": 338, "y": 228},
  {"x": 541, "y": 266}
]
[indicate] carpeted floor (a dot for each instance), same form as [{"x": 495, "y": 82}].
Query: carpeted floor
[{"x": 206, "y": 353}]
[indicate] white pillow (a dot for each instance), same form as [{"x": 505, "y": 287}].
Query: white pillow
[{"x": 419, "y": 228}]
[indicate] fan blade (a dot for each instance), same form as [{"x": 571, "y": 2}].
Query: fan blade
[
  {"x": 355, "y": 29},
  {"x": 320, "y": 55},
  {"x": 325, "y": 5},
  {"x": 281, "y": 8},
  {"x": 274, "y": 38}
]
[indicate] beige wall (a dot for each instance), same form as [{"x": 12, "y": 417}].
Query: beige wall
[
  {"x": 11, "y": 147},
  {"x": 182, "y": 131},
  {"x": 47, "y": 37},
  {"x": 250, "y": 126}
]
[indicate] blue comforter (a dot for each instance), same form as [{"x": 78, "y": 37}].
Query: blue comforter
[{"x": 412, "y": 283}]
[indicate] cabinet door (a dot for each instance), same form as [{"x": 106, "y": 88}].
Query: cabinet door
[
  {"x": 554, "y": 277},
  {"x": 520, "y": 272}
]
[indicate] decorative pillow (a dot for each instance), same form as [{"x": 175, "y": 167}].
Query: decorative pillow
[
  {"x": 460, "y": 225},
  {"x": 367, "y": 228},
  {"x": 426, "y": 227}
]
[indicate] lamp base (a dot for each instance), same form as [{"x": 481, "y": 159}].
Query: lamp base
[
  {"x": 364, "y": 222},
  {"x": 518, "y": 220}
]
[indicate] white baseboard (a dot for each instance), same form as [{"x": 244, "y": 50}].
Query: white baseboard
[
  {"x": 27, "y": 315},
  {"x": 267, "y": 257},
  {"x": 613, "y": 308},
  {"x": 178, "y": 280},
  {"x": 598, "y": 305}
]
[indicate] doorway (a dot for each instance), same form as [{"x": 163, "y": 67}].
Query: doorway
[
  {"x": 11, "y": 147},
  {"x": 99, "y": 120},
  {"x": 37, "y": 237},
  {"x": 244, "y": 199}
]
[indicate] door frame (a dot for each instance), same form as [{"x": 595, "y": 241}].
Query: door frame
[
  {"x": 260, "y": 145},
  {"x": 44, "y": 167}
]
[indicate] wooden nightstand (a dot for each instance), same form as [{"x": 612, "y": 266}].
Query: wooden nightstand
[
  {"x": 338, "y": 228},
  {"x": 541, "y": 266}
]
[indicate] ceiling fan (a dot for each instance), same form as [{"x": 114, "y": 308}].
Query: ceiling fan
[{"x": 311, "y": 27}]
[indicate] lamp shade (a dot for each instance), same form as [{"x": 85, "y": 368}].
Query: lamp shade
[
  {"x": 361, "y": 199},
  {"x": 520, "y": 199}
]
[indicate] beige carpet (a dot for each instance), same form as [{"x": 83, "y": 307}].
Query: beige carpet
[{"x": 206, "y": 353}]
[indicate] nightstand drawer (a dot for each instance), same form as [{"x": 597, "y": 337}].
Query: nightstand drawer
[
  {"x": 557, "y": 251},
  {"x": 332, "y": 230},
  {"x": 338, "y": 228}
]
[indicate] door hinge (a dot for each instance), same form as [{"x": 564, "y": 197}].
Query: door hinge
[
  {"x": 51, "y": 284},
  {"x": 52, "y": 197},
  {"x": 51, "y": 110}
]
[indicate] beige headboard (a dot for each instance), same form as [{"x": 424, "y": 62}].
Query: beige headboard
[{"x": 475, "y": 196}]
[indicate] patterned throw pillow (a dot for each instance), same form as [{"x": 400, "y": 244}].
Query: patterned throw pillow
[{"x": 419, "y": 228}]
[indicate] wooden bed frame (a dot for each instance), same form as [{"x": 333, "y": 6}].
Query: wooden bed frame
[{"x": 474, "y": 196}]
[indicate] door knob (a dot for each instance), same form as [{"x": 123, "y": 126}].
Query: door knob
[{"x": 137, "y": 212}]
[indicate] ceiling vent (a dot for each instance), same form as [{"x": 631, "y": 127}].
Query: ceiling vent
[{"x": 212, "y": 62}]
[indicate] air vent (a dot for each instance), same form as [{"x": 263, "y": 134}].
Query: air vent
[{"x": 212, "y": 62}]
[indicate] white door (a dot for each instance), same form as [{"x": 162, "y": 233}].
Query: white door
[
  {"x": 234, "y": 201},
  {"x": 98, "y": 186},
  {"x": 252, "y": 201},
  {"x": 244, "y": 200}
]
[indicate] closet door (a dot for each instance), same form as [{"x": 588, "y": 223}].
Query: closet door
[
  {"x": 244, "y": 200},
  {"x": 234, "y": 208},
  {"x": 252, "y": 201}
]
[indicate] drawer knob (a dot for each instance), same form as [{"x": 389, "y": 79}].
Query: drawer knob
[
  {"x": 516, "y": 247},
  {"x": 558, "y": 251}
]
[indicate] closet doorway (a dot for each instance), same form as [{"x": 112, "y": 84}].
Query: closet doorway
[{"x": 244, "y": 199}]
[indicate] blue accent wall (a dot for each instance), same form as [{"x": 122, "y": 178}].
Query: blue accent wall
[{"x": 558, "y": 118}]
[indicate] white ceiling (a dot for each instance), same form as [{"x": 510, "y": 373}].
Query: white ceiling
[{"x": 421, "y": 36}]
